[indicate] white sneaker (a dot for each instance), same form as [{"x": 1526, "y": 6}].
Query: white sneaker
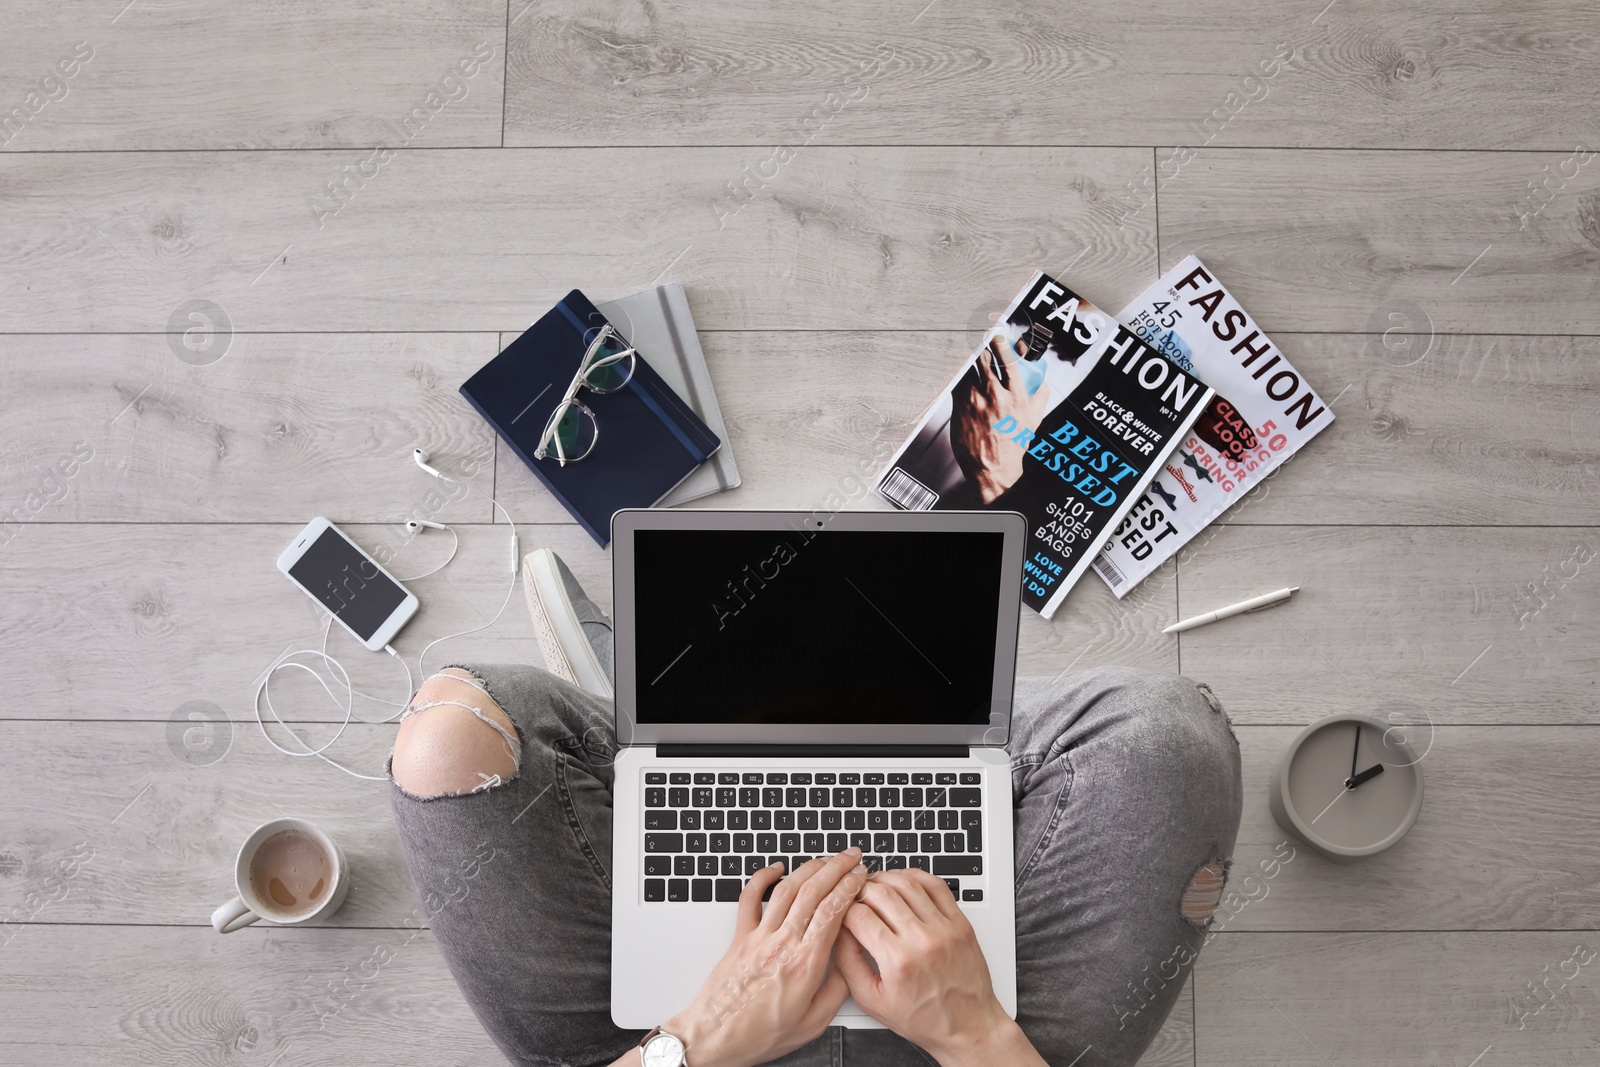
[{"x": 574, "y": 634}]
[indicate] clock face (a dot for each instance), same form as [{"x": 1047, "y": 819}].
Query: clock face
[{"x": 1349, "y": 788}]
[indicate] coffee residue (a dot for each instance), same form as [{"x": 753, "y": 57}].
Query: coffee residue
[
  {"x": 291, "y": 872},
  {"x": 280, "y": 894}
]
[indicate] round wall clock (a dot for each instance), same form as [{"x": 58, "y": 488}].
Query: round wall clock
[{"x": 1348, "y": 786}]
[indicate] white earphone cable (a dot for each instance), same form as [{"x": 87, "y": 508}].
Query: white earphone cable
[
  {"x": 447, "y": 559},
  {"x": 265, "y": 687},
  {"x": 509, "y": 589},
  {"x": 286, "y": 660}
]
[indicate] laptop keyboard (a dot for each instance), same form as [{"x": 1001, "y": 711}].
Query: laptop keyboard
[{"x": 706, "y": 832}]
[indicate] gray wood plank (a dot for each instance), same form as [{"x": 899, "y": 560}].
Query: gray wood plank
[
  {"x": 160, "y": 830},
  {"x": 1483, "y": 430},
  {"x": 1174, "y": 1043},
  {"x": 154, "y": 816},
  {"x": 1312, "y": 240},
  {"x": 902, "y": 238},
  {"x": 1092, "y": 628},
  {"x": 1378, "y": 207},
  {"x": 279, "y": 428},
  {"x": 1363, "y": 74},
  {"x": 288, "y": 425},
  {"x": 307, "y": 996},
  {"x": 1442, "y": 619},
  {"x": 132, "y": 621},
  {"x": 293, "y": 75},
  {"x": 159, "y": 995},
  {"x": 1391, "y": 999},
  {"x": 1492, "y": 849}
]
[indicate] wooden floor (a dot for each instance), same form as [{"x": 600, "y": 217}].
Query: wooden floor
[{"x": 353, "y": 206}]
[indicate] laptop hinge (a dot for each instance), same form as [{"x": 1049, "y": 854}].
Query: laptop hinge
[{"x": 710, "y": 751}]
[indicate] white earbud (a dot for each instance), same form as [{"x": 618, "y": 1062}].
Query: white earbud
[
  {"x": 422, "y": 461},
  {"x": 416, "y": 524}
]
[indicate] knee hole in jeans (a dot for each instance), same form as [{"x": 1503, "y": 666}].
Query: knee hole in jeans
[
  {"x": 1204, "y": 893},
  {"x": 454, "y": 739}
]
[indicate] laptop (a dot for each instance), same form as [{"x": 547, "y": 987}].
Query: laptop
[{"x": 789, "y": 684}]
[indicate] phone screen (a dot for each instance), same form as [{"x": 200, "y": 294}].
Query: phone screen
[{"x": 347, "y": 583}]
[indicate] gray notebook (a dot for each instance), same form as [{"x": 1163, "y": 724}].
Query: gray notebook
[{"x": 657, "y": 322}]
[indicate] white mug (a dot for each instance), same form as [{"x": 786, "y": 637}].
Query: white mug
[{"x": 248, "y": 906}]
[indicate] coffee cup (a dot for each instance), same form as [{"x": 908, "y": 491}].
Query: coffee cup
[{"x": 287, "y": 872}]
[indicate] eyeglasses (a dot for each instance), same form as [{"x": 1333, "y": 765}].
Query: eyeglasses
[{"x": 573, "y": 429}]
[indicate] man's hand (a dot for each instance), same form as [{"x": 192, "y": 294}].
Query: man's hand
[
  {"x": 931, "y": 985},
  {"x": 988, "y": 459},
  {"x": 773, "y": 991}
]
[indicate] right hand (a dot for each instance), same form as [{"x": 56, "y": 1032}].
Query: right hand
[
  {"x": 774, "y": 989},
  {"x": 931, "y": 985},
  {"x": 992, "y": 461}
]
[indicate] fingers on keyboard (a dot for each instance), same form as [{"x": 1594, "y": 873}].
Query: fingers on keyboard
[{"x": 707, "y": 833}]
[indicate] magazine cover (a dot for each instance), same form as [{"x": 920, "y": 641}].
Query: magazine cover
[
  {"x": 1261, "y": 414},
  {"x": 1063, "y": 415}
]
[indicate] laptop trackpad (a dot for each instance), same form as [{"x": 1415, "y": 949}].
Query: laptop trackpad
[{"x": 660, "y": 961}]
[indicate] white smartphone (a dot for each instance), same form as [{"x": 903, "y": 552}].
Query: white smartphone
[{"x": 355, "y": 590}]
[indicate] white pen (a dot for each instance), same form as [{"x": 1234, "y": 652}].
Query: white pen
[{"x": 1253, "y": 604}]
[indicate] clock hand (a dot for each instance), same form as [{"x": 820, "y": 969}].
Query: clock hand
[
  {"x": 1355, "y": 752},
  {"x": 1331, "y": 803},
  {"x": 1365, "y": 776}
]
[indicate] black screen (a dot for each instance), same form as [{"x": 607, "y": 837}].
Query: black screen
[
  {"x": 784, "y": 627},
  {"x": 347, "y": 583}
]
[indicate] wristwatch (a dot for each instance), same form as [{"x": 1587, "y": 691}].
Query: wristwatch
[{"x": 661, "y": 1049}]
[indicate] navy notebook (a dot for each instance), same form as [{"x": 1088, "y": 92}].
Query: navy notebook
[{"x": 649, "y": 439}]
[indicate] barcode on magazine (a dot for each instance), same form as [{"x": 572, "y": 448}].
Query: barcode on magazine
[
  {"x": 1108, "y": 570},
  {"x": 907, "y": 492}
]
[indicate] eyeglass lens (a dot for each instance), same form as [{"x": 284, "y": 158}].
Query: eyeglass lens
[
  {"x": 610, "y": 367},
  {"x": 572, "y": 435}
]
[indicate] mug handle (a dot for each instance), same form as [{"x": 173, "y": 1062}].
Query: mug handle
[{"x": 234, "y": 915}]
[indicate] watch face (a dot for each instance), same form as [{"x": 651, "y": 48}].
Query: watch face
[{"x": 664, "y": 1050}]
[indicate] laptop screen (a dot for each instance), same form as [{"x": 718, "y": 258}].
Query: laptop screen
[{"x": 785, "y": 627}]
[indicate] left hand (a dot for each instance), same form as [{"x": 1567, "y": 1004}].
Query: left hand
[{"x": 774, "y": 989}]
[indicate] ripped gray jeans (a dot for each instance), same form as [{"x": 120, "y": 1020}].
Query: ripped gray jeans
[{"x": 1127, "y": 795}]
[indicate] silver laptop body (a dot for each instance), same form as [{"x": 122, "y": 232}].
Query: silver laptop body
[{"x": 771, "y": 666}]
